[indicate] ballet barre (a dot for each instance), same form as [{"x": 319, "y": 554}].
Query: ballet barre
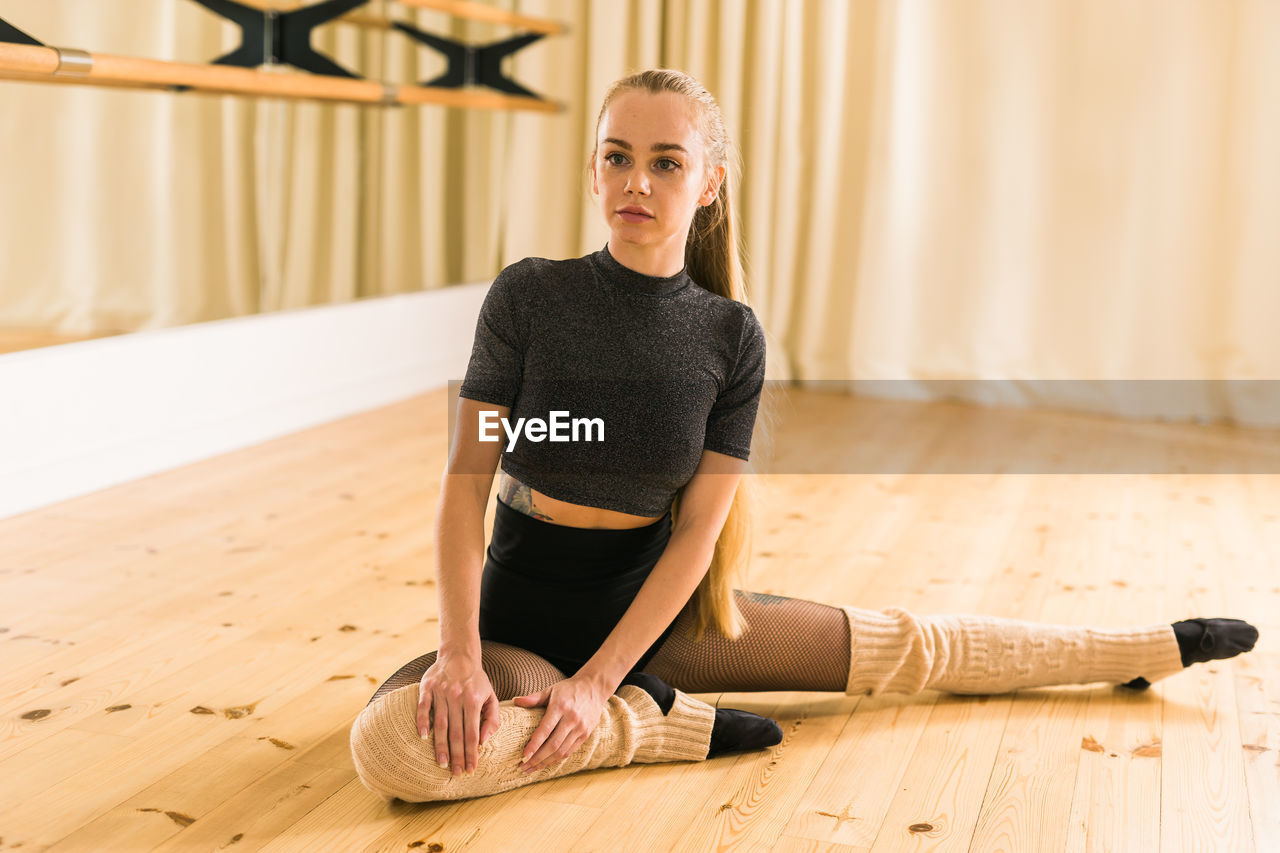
[
  {"x": 469, "y": 9},
  {"x": 465, "y": 9},
  {"x": 277, "y": 35}
]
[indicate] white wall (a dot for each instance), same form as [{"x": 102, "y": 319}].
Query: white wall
[{"x": 81, "y": 417}]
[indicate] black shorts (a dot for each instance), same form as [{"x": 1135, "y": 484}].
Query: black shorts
[{"x": 558, "y": 591}]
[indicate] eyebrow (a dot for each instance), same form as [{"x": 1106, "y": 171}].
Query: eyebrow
[{"x": 657, "y": 146}]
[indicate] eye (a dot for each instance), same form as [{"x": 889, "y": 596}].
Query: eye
[
  {"x": 674, "y": 164},
  {"x": 608, "y": 158}
]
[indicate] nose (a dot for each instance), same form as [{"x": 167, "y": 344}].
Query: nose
[{"x": 637, "y": 182}]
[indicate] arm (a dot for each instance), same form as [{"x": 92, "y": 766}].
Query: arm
[
  {"x": 455, "y": 698},
  {"x": 704, "y": 506},
  {"x": 464, "y": 494}
]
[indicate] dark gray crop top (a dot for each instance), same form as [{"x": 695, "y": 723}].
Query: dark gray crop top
[{"x": 662, "y": 368}]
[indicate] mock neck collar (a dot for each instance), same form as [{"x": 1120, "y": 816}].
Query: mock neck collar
[{"x": 631, "y": 281}]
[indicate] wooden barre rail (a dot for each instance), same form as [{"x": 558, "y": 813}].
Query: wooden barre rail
[
  {"x": 480, "y": 12},
  {"x": 359, "y": 19},
  {"x": 466, "y": 9},
  {"x": 46, "y": 64}
]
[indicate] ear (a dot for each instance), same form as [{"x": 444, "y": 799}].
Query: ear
[
  {"x": 713, "y": 186},
  {"x": 595, "y": 187}
]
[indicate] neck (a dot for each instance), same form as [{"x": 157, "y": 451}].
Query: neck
[{"x": 662, "y": 260}]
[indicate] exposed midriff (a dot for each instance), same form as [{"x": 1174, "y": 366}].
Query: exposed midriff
[{"x": 573, "y": 515}]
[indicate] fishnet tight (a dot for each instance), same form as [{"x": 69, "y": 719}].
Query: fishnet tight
[{"x": 788, "y": 644}]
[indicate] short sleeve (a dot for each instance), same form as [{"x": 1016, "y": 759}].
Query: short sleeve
[
  {"x": 733, "y": 416},
  {"x": 497, "y": 353}
]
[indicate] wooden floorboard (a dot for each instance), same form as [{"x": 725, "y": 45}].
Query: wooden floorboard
[{"x": 184, "y": 654}]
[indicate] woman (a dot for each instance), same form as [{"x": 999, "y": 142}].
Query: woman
[{"x": 607, "y": 593}]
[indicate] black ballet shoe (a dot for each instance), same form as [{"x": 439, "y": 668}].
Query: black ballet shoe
[
  {"x": 1203, "y": 640},
  {"x": 732, "y": 731},
  {"x": 741, "y": 731}
]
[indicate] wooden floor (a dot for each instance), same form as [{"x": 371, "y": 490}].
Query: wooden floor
[{"x": 183, "y": 657}]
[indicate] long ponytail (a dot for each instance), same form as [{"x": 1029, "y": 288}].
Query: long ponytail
[{"x": 713, "y": 259}]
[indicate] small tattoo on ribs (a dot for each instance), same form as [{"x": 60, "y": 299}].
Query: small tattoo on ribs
[{"x": 519, "y": 497}]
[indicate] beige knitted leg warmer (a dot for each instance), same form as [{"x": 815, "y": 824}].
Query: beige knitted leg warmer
[
  {"x": 894, "y": 651},
  {"x": 393, "y": 761}
]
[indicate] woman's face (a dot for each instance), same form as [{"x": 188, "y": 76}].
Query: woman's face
[{"x": 649, "y": 156}]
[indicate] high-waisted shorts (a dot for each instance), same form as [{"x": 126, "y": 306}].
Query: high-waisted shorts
[{"x": 558, "y": 591}]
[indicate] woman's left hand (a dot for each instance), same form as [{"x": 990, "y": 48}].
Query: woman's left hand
[{"x": 573, "y": 712}]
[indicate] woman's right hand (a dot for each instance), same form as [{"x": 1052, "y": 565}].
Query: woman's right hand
[{"x": 457, "y": 702}]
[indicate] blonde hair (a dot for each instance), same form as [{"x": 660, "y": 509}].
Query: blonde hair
[{"x": 713, "y": 259}]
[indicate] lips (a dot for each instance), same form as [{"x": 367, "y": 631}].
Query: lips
[{"x": 635, "y": 210}]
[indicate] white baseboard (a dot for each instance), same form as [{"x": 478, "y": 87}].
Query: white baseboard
[{"x": 84, "y": 416}]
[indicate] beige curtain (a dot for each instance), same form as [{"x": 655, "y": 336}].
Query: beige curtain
[
  {"x": 990, "y": 189},
  {"x": 1056, "y": 189},
  {"x": 125, "y": 210}
]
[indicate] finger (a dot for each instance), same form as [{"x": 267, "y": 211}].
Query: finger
[
  {"x": 471, "y": 728},
  {"x": 540, "y": 734},
  {"x": 442, "y": 731},
  {"x": 424, "y": 712},
  {"x": 492, "y": 719},
  {"x": 457, "y": 751},
  {"x": 552, "y": 752},
  {"x": 546, "y": 754},
  {"x": 569, "y": 747},
  {"x": 532, "y": 700}
]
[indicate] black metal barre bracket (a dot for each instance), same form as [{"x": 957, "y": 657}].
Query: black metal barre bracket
[
  {"x": 11, "y": 34},
  {"x": 269, "y": 37},
  {"x": 473, "y": 64}
]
